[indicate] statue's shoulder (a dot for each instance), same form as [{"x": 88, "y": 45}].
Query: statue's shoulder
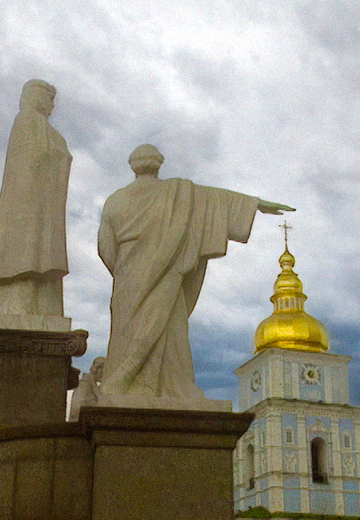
[
  {"x": 139, "y": 188},
  {"x": 29, "y": 119},
  {"x": 114, "y": 197},
  {"x": 24, "y": 132},
  {"x": 117, "y": 199},
  {"x": 177, "y": 181}
]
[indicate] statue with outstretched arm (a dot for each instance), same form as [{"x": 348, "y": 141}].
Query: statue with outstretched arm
[{"x": 155, "y": 238}]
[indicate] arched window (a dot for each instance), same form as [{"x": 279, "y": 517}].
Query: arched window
[
  {"x": 249, "y": 467},
  {"x": 319, "y": 461}
]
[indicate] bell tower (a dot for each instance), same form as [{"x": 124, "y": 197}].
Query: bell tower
[{"x": 301, "y": 453}]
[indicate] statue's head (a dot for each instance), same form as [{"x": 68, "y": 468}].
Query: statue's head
[
  {"x": 97, "y": 368},
  {"x": 38, "y": 95},
  {"x": 146, "y": 160}
]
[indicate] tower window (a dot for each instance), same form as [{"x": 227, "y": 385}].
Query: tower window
[
  {"x": 288, "y": 436},
  {"x": 347, "y": 443},
  {"x": 319, "y": 461}
]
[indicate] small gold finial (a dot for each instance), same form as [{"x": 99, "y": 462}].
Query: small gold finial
[{"x": 286, "y": 227}]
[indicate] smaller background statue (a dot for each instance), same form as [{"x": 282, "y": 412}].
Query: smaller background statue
[
  {"x": 88, "y": 391},
  {"x": 348, "y": 465},
  {"x": 290, "y": 462}
]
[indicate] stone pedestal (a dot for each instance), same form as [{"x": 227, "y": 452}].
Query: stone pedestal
[
  {"x": 45, "y": 473},
  {"x": 164, "y": 403},
  {"x": 35, "y": 373},
  {"x": 35, "y": 322},
  {"x": 122, "y": 464},
  {"x": 162, "y": 464}
]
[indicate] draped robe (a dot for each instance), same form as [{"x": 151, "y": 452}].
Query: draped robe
[
  {"x": 33, "y": 257},
  {"x": 155, "y": 238}
]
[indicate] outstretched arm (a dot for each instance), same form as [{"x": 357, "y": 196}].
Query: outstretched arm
[{"x": 273, "y": 207}]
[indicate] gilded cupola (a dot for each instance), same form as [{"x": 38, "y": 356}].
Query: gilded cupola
[{"x": 289, "y": 326}]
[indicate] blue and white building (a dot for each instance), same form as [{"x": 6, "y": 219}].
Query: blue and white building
[{"x": 302, "y": 452}]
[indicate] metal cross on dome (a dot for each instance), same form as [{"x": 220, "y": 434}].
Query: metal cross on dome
[{"x": 286, "y": 227}]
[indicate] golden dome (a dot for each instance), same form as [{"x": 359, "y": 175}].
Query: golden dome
[{"x": 290, "y": 326}]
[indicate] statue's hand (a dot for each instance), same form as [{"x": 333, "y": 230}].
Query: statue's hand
[{"x": 273, "y": 207}]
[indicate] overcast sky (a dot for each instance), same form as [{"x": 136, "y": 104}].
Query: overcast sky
[{"x": 260, "y": 97}]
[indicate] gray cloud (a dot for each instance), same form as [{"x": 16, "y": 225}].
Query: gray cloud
[{"x": 333, "y": 24}]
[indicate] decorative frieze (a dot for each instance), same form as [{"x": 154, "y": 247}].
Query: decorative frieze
[
  {"x": 43, "y": 343},
  {"x": 290, "y": 461},
  {"x": 348, "y": 464}
]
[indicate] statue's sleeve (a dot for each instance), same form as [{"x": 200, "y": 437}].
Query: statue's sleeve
[
  {"x": 241, "y": 214},
  {"x": 218, "y": 216},
  {"x": 107, "y": 242},
  {"x": 221, "y": 215}
]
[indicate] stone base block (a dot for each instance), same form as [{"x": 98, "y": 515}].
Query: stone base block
[
  {"x": 45, "y": 473},
  {"x": 162, "y": 464},
  {"x": 164, "y": 403},
  {"x": 121, "y": 464},
  {"x": 35, "y": 322}
]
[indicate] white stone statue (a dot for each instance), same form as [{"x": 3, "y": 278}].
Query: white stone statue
[
  {"x": 33, "y": 257},
  {"x": 155, "y": 238},
  {"x": 88, "y": 391}
]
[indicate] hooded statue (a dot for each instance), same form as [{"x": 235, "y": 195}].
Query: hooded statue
[{"x": 33, "y": 256}]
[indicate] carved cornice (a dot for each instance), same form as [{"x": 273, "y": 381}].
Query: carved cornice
[
  {"x": 189, "y": 421},
  {"x": 43, "y": 343},
  {"x": 272, "y": 407}
]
